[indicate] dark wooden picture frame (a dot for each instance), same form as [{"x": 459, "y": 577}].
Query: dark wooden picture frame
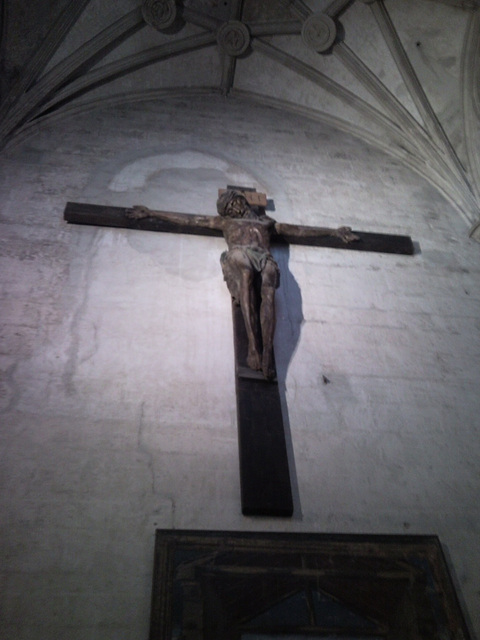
[{"x": 210, "y": 585}]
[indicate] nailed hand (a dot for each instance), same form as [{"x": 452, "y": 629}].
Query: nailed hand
[
  {"x": 345, "y": 234},
  {"x": 138, "y": 212}
]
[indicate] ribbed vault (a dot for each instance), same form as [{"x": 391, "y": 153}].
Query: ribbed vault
[{"x": 402, "y": 76}]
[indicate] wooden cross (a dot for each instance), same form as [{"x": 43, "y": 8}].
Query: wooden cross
[{"x": 264, "y": 471}]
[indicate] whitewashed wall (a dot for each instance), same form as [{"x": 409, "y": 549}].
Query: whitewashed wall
[{"x": 118, "y": 405}]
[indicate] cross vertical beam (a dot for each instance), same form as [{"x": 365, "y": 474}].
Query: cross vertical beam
[{"x": 264, "y": 472}]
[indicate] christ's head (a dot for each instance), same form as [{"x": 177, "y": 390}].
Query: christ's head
[{"x": 233, "y": 204}]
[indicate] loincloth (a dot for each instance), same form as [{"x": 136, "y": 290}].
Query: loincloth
[{"x": 258, "y": 258}]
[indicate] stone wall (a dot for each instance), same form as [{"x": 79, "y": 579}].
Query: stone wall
[{"x": 118, "y": 403}]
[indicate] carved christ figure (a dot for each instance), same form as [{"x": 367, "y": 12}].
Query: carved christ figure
[{"x": 249, "y": 269}]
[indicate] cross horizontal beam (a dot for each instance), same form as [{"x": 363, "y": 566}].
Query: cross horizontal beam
[{"x": 106, "y": 216}]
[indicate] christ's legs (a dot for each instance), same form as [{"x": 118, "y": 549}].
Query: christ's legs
[
  {"x": 267, "y": 322},
  {"x": 267, "y": 318},
  {"x": 239, "y": 274},
  {"x": 250, "y": 317}
]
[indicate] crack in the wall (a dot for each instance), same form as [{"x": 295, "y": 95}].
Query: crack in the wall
[
  {"x": 82, "y": 284},
  {"x": 143, "y": 448}
]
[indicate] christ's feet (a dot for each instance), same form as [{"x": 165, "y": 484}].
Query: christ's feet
[
  {"x": 264, "y": 363},
  {"x": 253, "y": 360}
]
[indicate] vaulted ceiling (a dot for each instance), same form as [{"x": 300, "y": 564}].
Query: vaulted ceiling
[{"x": 403, "y": 75}]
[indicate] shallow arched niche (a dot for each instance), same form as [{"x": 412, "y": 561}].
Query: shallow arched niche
[{"x": 187, "y": 178}]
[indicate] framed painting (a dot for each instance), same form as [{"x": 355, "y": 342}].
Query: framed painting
[{"x": 211, "y": 585}]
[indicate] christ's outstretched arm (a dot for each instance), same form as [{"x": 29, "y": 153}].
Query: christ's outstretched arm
[
  {"x": 300, "y": 231},
  {"x": 139, "y": 212}
]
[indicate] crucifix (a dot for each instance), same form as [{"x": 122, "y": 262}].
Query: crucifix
[{"x": 252, "y": 276}]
